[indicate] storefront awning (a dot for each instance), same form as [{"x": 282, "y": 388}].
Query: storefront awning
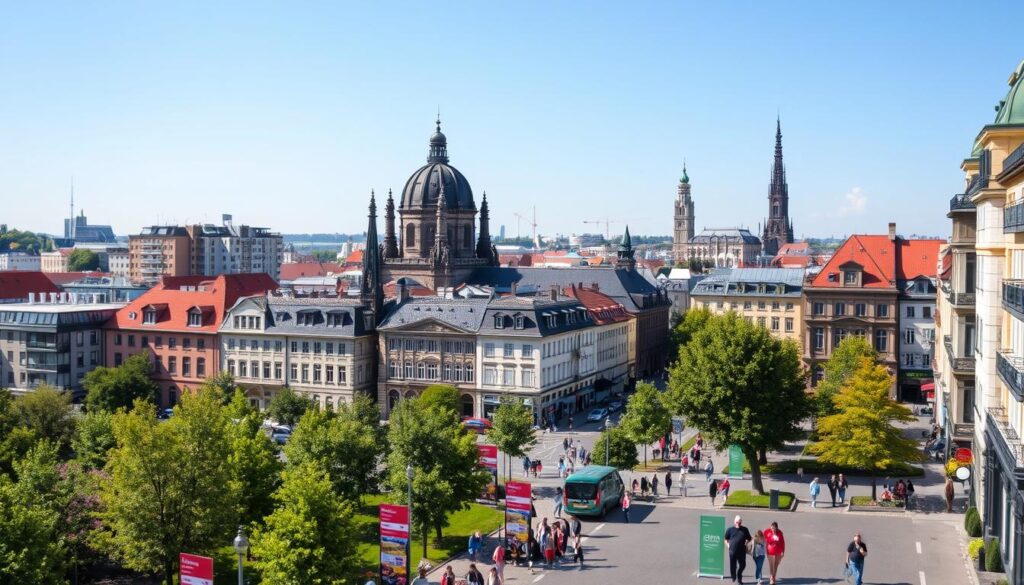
[{"x": 928, "y": 387}]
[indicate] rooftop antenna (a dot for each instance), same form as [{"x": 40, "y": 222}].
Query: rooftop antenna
[{"x": 71, "y": 226}]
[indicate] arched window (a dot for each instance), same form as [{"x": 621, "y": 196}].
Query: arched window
[
  {"x": 393, "y": 398},
  {"x": 410, "y": 236},
  {"x": 467, "y": 405},
  {"x": 410, "y": 394},
  {"x": 421, "y": 370},
  {"x": 469, "y": 372}
]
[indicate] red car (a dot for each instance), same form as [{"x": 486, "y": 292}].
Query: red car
[{"x": 478, "y": 425}]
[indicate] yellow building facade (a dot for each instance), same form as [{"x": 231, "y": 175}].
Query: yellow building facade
[{"x": 769, "y": 297}]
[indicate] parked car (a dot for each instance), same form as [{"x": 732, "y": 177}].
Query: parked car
[
  {"x": 597, "y": 415},
  {"x": 615, "y": 405},
  {"x": 927, "y": 409},
  {"x": 165, "y": 414},
  {"x": 476, "y": 424},
  {"x": 280, "y": 435}
]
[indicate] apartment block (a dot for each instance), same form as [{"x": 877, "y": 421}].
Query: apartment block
[
  {"x": 20, "y": 261},
  {"x": 769, "y": 297}
]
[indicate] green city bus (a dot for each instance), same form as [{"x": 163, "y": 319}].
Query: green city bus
[{"x": 592, "y": 491}]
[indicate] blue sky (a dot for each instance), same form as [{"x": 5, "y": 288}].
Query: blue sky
[{"x": 287, "y": 114}]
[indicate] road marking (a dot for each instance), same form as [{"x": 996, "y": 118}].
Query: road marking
[
  {"x": 598, "y": 527},
  {"x": 541, "y": 576},
  {"x": 919, "y": 548},
  {"x": 921, "y": 575}
]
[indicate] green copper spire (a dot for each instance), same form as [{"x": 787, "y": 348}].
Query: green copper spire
[{"x": 685, "y": 178}]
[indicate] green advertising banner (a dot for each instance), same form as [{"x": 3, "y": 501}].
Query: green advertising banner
[
  {"x": 736, "y": 460},
  {"x": 712, "y": 550}
]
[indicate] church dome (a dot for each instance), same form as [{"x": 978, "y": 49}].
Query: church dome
[
  {"x": 424, "y": 186},
  {"x": 1011, "y": 109}
]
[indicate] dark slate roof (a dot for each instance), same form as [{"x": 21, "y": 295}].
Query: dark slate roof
[
  {"x": 745, "y": 281},
  {"x": 627, "y": 287},
  {"x": 708, "y": 235},
  {"x": 280, "y": 316},
  {"x": 424, "y": 186},
  {"x": 465, "y": 314},
  {"x": 535, "y": 312}
]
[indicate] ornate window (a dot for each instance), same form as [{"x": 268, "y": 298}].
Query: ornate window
[{"x": 410, "y": 236}]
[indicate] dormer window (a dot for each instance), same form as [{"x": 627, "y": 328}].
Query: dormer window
[
  {"x": 307, "y": 318},
  {"x": 149, "y": 316},
  {"x": 195, "y": 318},
  {"x": 335, "y": 318},
  {"x": 499, "y": 321},
  {"x": 850, "y": 277}
]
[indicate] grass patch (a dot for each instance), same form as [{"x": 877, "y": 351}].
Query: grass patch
[
  {"x": 815, "y": 467},
  {"x": 688, "y": 444},
  {"x": 868, "y": 502},
  {"x": 749, "y": 498},
  {"x": 460, "y": 525},
  {"x": 651, "y": 467}
]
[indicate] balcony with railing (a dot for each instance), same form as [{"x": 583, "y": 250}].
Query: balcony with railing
[
  {"x": 1004, "y": 439},
  {"x": 960, "y": 365},
  {"x": 961, "y": 202},
  {"x": 1011, "y": 372},
  {"x": 1013, "y": 297},
  {"x": 1014, "y": 161},
  {"x": 47, "y": 345},
  {"x": 960, "y": 299},
  {"x": 1013, "y": 218}
]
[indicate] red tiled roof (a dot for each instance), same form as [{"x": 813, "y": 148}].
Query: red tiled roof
[
  {"x": 216, "y": 296},
  {"x": 416, "y": 290},
  {"x": 354, "y": 258},
  {"x": 601, "y": 307},
  {"x": 515, "y": 260},
  {"x": 918, "y": 258},
  {"x": 294, "y": 270},
  {"x": 16, "y": 284},
  {"x": 794, "y": 248}
]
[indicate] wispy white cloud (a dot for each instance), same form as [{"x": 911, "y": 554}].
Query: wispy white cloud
[{"x": 854, "y": 202}]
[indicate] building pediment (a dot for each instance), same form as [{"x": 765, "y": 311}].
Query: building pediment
[{"x": 426, "y": 326}]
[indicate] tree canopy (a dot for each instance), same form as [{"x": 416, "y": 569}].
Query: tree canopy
[
  {"x": 83, "y": 260},
  {"x": 12, "y": 240},
  {"x": 739, "y": 385},
  {"x": 691, "y": 322},
  {"x": 861, "y": 433},
  {"x": 620, "y": 447},
  {"x": 442, "y": 395},
  {"x": 47, "y": 412},
  {"x": 287, "y": 407},
  {"x": 94, "y": 438},
  {"x": 646, "y": 417},
  {"x": 840, "y": 367},
  {"x": 512, "y": 430},
  {"x": 110, "y": 389}
]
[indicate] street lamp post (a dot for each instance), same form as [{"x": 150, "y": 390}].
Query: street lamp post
[
  {"x": 607, "y": 440},
  {"x": 408, "y": 542},
  {"x": 241, "y": 547}
]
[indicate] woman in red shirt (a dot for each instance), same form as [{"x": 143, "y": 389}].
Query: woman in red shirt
[{"x": 775, "y": 543}]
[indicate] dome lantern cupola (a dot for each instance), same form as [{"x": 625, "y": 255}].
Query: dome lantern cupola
[{"x": 438, "y": 145}]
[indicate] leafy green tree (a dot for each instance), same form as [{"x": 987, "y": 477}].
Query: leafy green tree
[
  {"x": 364, "y": 409},
  {"x": 310, "y": 536},
  {"x": 512, "y": 430},
  {"x": 24, "y": 241},
  {"x": 840, "y": 367},
  {"x": 253, "y": 463},
  {"x": 740, "y": 386},
  {"x": 441, "y": 395},
  {"x": 646, "y": 418},
  {"x": 343, "y": 445},
  {"x": 325, "y": 255},
  {"x": 620, "y": 448},
  {"x": 222, "y": 382},
  {"x": 15, "y": 440},
  {"x": 82, "y": 260},
  {"x": 861, "y": 434},
  {"x": 169, "y": 488},
  {"x": 94, "y": 438},
  {"x": 287, "y": 407},
  {"x": 29, "y": 553},
  {"x": 691, "y": 322},
  {"x": 112, "y": 388},
  {"x": 444, "y": 458},
  {"x": 47, "y": 412}
]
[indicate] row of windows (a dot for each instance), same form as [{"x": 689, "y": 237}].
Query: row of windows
[
  {"x": 158, "y": 341},
  {"x": 857, "y": 309},
  {"x": 507, "y": 377},
  {"x": 881, "y": 338},
  {"x": 186, "y": 366},
  {"x": 508, "y": 350},
  {"x": 326, "y": 374},
  {"x": 448, "y": 372},
  {"x": 761, "y": 306},
  {"x": 277, "y": 345},
  {"x": 774, "y": 323},
  {"x": 917, "y": 360},
  {"x": 431, "y": 345},
  {"x": 567, "y": 344}
]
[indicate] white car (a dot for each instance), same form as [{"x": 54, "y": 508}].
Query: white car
[{"x": 597, "y": 415}]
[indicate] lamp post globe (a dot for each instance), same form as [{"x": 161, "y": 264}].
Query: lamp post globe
[{"x": 241, "y": 544}]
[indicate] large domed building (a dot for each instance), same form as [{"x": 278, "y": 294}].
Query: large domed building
[{"x": 435, "y": 241}]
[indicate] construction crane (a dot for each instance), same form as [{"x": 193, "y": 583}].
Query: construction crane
[
  {"x": 530, "y": 222},
  {"x": 607, "y": 226}
]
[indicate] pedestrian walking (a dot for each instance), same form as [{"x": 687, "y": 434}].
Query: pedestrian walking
[
  {"x": 910, "y": 493},
  {"x": 949, "y": 494},
  {"x": 577, "y": 551},
  {"x": 713, "y": 491},
  {"x": 570, "y": 424},
  {"x": 654, "y": 486},
  {"x": 526, "y": 466},
  {"x": 684, "y": 462},
  {"x": 724, "y": 489},
  {"x": 855, "y": 553},
  {"x": 668, "y": 483},
  {"x": 736, "y": 539},
  {"x": 636, "y": 485},
  {"x": 833, "y": 488},
  {"x": 841, "y": 486},
  {"x": 643, "y": 486},
  {"x": 758, "y": 551},
  {"x": 493, "y": 578},
  {"x": 422, "y": 579},
  {"x": 625, "y": 507},
  {"x": 499, "y": 561},
  {"x": 558, "y": 502},
  {"x": 549, "y": 551},
  {"x": 682, "y": 481},
  {"x": 708, "y": 469},
  {"x": 577, "y": 526},
  {"x": 473, "y": 576},
  {"x": 565, "y": 444},
  {"x": 775, "y": 547},
  {"x": 699, "y": 441},
  {"x": 449, "y": 576},
  {"x": 561, "y": 467},
  {"x": 815, "y": 489},
  {"x": 476, "y": 540}
]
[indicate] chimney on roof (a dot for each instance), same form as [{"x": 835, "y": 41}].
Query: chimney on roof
[
  {"x": 892, "y": 231},
  {"x": 401, "y": 292},
  {"x": 554, "y": 292},
  {"x": 594, "y": 286},
  {"x": 515, "y": 288},
  {"x": 31, "y": 298}
]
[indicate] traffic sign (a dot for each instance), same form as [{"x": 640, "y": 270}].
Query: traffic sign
[{"x": 195, "y": 570}]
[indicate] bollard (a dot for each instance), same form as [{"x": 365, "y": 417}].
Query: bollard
[{"x": 981, "y": 559}]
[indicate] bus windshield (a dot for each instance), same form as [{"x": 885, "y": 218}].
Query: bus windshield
[{"x": 581, "y": 491}]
